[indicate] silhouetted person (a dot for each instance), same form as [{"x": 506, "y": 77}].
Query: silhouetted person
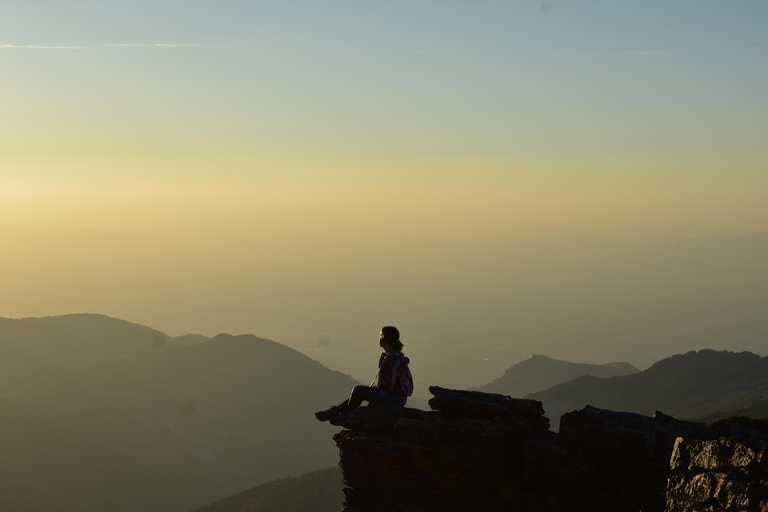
[{"x": 393, "y": 382}]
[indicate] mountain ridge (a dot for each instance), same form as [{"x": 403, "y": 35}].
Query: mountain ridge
[
  {"x": 83, "y": 339},
  {"x": 689, "y": 386},
  {"x": 158, "y": 427},
  {"x": 540, "y": 372}
]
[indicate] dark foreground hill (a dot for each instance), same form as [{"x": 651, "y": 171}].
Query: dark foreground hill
[
  {"x": 540, "y": 372},
  {"x": 318, "y": 491},
  {"x": 158, "y": 428},
  {"x": 695, "y": 385}
]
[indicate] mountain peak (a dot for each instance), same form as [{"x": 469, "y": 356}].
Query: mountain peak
[
  {"x": 691, "y": 385},
  {"x": 540, "y": 372}
]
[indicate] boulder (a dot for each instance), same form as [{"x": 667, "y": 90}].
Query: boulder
[
  {"x": 482, "y": 405},
  {"x": 490, "y": 452},
  {"x": 722, "y": 474}
]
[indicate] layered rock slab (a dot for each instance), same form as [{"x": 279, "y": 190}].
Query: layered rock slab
[{"x": 482, "y": 451}]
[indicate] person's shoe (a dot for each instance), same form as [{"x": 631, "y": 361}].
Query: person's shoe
[{"x": 327, "y": 414}]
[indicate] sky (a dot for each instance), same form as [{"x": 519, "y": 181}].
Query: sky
[
  {"x": 496, "y": 178},
  {"x": 383, "y": 119}
]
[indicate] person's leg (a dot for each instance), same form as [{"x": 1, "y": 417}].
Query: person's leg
[
  {"x": 387, "y": 397},
  {"x": 356, "y": 397},
  {"x": 331, "y": 412},
  {"x": 360, "y": 393},
  {"x": 373, "y": 395},
  {"x": 355, "y": 400}
]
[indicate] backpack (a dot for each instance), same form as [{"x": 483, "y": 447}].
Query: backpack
[{"x": 404, "y": 377}]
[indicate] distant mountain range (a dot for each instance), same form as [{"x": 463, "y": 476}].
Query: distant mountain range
[
  {"x": 696, "y": 385},
  {"x": 103, "y": 414},
  {"x": 540, "y": 372},
  {"x": 86, "y": 340},
  {"x": 636, "y": 294}
]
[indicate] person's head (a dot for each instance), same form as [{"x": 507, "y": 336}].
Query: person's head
[{"x": 389, "y": 339}]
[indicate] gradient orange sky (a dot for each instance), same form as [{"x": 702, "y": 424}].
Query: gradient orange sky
[{"x": 393, "y": 119}]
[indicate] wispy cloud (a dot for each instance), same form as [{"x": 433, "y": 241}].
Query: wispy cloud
[
  {"x": 47, "y": 47},
  {"x": 40, "y": 47},
  {"x": 649, "y": 52},
  {"x": 613, "y": 54},
  {"x": 162, "y": 45},
  {"x": 176, "y": 45}
]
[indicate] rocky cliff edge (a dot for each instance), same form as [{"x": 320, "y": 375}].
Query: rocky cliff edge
[{"x": 487, "y": 452}]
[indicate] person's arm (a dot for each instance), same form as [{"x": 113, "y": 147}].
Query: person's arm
[{"x": 377, "y": 380}]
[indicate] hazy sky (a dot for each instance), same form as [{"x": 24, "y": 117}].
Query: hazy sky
[{"x": 382, "y": 118}]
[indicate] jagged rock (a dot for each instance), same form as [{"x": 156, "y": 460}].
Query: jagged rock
[
  {"x": 367, "y": 459},
  {"x": 491, "y": 453},
  {"x": 608, "y": 434},
  {"x": 667, "y": 429},
  {"x": 718, "y": 454},
  {"x": 471, "y": 430},
  {"x": 716, "y": 475},
  {"x": 743, "y": 433},
  {"x": 481, "y": 451},
  {"x": 482, "y": 405},
  {"x": 377, "y": 418},
  {"x": 617, "y": 436}
]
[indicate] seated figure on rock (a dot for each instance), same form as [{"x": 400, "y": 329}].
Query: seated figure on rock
[{"x": 393, "y": 384}]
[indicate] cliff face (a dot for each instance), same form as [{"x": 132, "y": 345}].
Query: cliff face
[{"x": 481, "y": 451}]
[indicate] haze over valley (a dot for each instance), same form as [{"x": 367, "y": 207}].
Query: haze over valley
[{"x": 468, "y": 308}]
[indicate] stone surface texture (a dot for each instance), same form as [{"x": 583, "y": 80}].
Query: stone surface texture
[{"x": 722, "y": 474}]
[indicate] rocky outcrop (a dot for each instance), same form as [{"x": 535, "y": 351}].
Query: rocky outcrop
[
  {"x": 722, "y": 474},
  {"x": 630, "y": 444},
  {"x": 481, "y": 451}
]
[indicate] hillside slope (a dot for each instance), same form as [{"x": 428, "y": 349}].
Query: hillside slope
[
  {"x": 163, "y": 428},
  {"x": 540, "y": 372},
  {"x": 82, "y": 340},
  {"x": 236, "y": 401},
  {"x": 690, "y": 386},
  {"x": 318, "y": 491}
]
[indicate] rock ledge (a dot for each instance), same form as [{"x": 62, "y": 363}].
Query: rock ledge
[{"x": 490, "y": 452}]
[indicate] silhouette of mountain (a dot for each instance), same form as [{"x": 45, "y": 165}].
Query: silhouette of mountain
[
  {"x": 233, "y": 400},
  {"x": 318, "y": 491},
  {"x": 690, "y": 386},
  {"x": 81, "y": 340},
  {"x": 151, "y": 427},
  {"x": 540, "y": 372},
  {"x": 756, "y": 411}
]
